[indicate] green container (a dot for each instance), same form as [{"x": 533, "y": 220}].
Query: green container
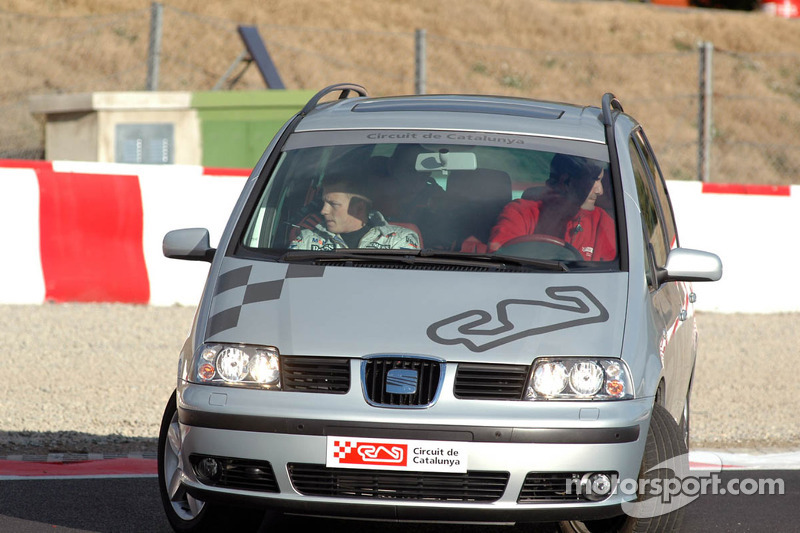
[{"x": 235, "y": 127}]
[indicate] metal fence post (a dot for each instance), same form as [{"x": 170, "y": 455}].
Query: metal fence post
[
  {"x": 154, "y": 45},
  {"x": 704, "y": 116},
  {"x": 419, "y": 61}
]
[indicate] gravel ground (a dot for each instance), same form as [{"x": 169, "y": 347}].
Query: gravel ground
[{"x": 94, "y": 378}]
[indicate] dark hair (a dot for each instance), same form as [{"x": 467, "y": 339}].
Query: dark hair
[
  {"x": 361, "y": 203},
  {"x": 348, "y": 183},
  {"x": 573, "y": 176},
  {"x": 570, "y": 182},
  {"x": 562, "y": 166}
]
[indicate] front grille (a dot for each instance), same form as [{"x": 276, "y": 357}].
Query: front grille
[
  {"x": 553, "y": 487},
  {"x": 472, "y": 487},
  {"x": 428, "y": 374},
  {"x": 232, "y": 473},
  {"x": 315, "y": 374},
  {"x": 490, "y": 382}
]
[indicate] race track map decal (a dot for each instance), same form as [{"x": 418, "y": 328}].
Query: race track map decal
[{"x": 479, "y": 331}]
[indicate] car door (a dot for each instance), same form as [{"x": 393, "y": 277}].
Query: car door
[{"x": 670, "y": 301}]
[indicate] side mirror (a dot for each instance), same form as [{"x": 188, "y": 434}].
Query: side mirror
[
  {"x": 191, "y": 244},
  {"x": 684, "y": 264}
]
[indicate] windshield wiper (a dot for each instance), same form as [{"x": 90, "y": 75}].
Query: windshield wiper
[
  {"x": 411, "y": 257},
  {"x": 501, "y": 259},
  {"x": 354, "y": 254}
]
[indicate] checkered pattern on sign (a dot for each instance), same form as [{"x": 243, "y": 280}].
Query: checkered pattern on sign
[{"x": 343, "y": 449}]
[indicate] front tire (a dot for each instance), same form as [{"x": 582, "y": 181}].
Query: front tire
[
  {"x": 665, "y": 441},
  {"x": 185, "y": 513}
]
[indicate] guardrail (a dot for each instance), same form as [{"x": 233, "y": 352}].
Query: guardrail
[{"x": 92, "y": 232}]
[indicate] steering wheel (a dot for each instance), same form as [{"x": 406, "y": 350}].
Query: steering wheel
[{"x": 540, "y": 246}]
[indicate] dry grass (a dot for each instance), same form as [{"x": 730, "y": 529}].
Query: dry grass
[{"x": 549, "y": 49}]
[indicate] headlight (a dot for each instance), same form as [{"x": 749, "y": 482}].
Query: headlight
[
  {"x": 233, "y": 364},
  {"x": 586, "y": 378},
  {"x": 550, "y": 378},
  {"x": 242, "y": 365},
  {"x": 579, "y": 378}
]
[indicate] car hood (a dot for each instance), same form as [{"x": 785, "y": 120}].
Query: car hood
[{"x": 466, "y": 316}]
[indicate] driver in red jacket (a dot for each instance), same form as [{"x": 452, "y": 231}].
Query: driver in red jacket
[{"x": 567, "y": 211}]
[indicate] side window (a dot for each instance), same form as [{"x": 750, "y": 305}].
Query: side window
[
  {"x": 651, "y": 221},
  {"x": 661, "y": 187}
]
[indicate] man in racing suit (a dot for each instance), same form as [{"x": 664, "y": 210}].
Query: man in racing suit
[{"x": 349, "y": 222}]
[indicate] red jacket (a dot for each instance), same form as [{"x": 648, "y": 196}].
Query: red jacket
[{"x": 591, "y": 232}]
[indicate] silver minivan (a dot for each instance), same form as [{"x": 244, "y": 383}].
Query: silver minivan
[{"x": 454, "y": 308}]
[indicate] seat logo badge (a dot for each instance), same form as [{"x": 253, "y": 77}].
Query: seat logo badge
[{"x": 401, "y": 381}]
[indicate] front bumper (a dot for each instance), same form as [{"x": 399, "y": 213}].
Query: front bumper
[{"x": 512, "y": 444}]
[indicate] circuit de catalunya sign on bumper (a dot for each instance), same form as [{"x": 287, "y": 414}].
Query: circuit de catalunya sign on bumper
[{"x": 383, "y": 454}]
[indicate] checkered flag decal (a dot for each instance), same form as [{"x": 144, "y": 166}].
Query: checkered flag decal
[
  {"x": 253, "y": 293},
  {"x": 343, "y": 449}
]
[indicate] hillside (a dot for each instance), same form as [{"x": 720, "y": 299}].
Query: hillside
[
  {"x": 645, "y": 54},
  {"x": 534, "y": 24}
]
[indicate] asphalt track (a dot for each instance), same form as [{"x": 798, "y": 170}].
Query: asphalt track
[{"x": 121, "y": 495}]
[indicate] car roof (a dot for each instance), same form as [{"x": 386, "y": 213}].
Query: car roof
[{"x": 489, "y": 114}]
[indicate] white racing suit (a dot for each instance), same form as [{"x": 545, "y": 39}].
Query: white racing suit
[{"x": 381, "y": 236}]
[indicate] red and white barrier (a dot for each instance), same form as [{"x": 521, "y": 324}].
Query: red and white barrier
[
  {"x": 92, "y": 232},
  {"x": 751, "y": 228}
]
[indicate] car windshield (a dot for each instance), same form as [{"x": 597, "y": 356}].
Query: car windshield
[{"x": 445, "y": 194}]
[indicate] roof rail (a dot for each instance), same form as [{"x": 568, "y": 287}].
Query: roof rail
[
  {"x": 345, "y": 89},
  {"x": 610, "y": 102}
]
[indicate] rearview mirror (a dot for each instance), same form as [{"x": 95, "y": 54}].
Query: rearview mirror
[{"x": 444, "y": 161}]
